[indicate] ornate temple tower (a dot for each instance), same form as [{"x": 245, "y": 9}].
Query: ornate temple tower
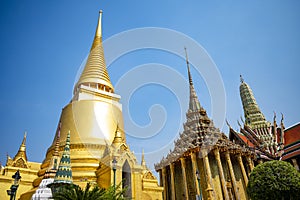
[
  {"x": 204, "y": 161},
  {"x": 269, "y": 141},
  {"x": 95, "y": 123},
  {"x": 44, "y": 192},
  {"x": 92, "y": 116},
  {"x": 64, "y": 171},
  {"x": 257, "y": 133},
  {"x": 27, "y": 169},
  {"x": 254, "y": 118},
  {"x": 20, "y": 159},
  {"x": 55, "y": 159}
]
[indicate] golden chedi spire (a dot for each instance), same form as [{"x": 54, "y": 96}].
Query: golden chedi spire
[
  {"x": 56, "y": 149},
  {"x": 143, "y": 162},
  {"x": 22, "y": 150},
  {"x": 55, "y": 159},
  {"x": 92, "y": 117},
  {"x": 95, "y": 73},
  {"x": 20, "y": 159},
  {"x": 118, "y": 139},
  {"x": 254, "y": 118}
]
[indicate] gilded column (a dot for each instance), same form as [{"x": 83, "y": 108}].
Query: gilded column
[
  {"x": 236, "y": 193},
  {"x": 164, "y": 177},
  {"x": 184, "y": 178},
  {"x": 250, "y": 163},
  {"x": 240, "y": 160},
  {"x": 209, "y": 189},
  {"x": 195, "y": 169},
  {"x": 160, "y": 178},
  {"x": 172, "y": 181},
  {"x": 223, "y": 182}
]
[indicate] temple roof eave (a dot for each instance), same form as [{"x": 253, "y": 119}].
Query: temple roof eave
[{"x": 222, "y": 144}]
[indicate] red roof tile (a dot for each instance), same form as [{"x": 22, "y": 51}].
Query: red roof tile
[
  {"x": 292, "y": 134},
  {"x": 245, "y": 139}
]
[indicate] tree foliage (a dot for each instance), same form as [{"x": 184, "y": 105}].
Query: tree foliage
[
  {"x": 91, "y": 192},
  {"x": 274, "y": 180},
  {"x": 115, "y": 194}
]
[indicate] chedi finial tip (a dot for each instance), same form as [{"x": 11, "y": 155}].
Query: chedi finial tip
[{"x": 241, "y": 78}]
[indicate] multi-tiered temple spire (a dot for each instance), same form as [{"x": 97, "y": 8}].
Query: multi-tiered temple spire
[
  {"x": 94, "y": 119},
  {"x": 197, "y": 157},
  {"x": 22, "y": 150},
  {"x": 95, "y": 74},
  {"x": 254, "y": 118},
  {"x": 257, "y": 132},
  {"x": 194, "y": 104},
  {"x": 43, "y": 191},
  {"x": 199, "y": 129},
  {"x": 55, "y": 159},
  {"x": 91, "y": 117},
  {"x": 64, "y": 172},
  {"x": 196, "y": 114},
  {"x": 118, "y": 139},
  {"x": 20, "y": 159}
]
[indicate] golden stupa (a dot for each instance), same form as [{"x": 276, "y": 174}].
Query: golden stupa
[
  {"x": 95, "y": 122},
  {"x": 92, "y": 117}
]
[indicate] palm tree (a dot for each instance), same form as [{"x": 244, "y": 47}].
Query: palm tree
[
  {"x": 74, "y": 192},
  {"x": 115, "y": 193}
]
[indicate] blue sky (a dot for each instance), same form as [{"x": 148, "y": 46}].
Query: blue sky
[{"x": 43, "y": 44}]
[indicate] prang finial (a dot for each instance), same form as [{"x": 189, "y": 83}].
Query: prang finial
[{"x": 241, "y": 78}]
